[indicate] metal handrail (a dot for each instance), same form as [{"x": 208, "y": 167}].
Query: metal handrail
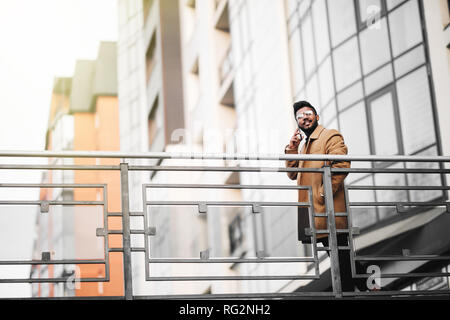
[
  {"x": 219, "y": 156},
  {"x": 126, "y": 231}
]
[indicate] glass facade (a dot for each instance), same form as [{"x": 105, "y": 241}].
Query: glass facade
[{"x": 363, "y": 65}]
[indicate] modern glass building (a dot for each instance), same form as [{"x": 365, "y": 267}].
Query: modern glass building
[
  {"x": 365, "y": 65},
  {"x": 376, "y": 70}
]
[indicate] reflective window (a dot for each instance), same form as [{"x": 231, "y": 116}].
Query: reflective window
[
  {"x": 384, "y": 125},
  {"x": 320, "y": 29},
  {"x": 326, "y": 81},
  {"x": 362, "y": 216},
  {"x": 308, "y": 45},
  {"x": 346, "y": 64},
  {"x": 421, "y": 179},
  {"x": 296, "y": 59},
  {"x": 374, "y": 47},
  {"x": 409, "y": 61},
  {"x": 393, "y": 3},
  {"x": 293, "y": 22},
  {"x": 312, "y": 92},
  {"x": 333, "y": 124},
  {"x": 342, "y": 20},
  {"x": 303, "y": 7},
  {"x": 291, "y": 6},
  {"x": 405, "y": 27},
  {"x": 350, "y": 95},
  {"x": 356, "y": 136},
  {"x": 378, "y": 79},
  {"x": 368, "y": 9},
  {"x": 328, "y": 114},
  {"x": 416, "y": 114},
  {"x": 365, "y": 68},
  {"x": 386, "y": 195}
]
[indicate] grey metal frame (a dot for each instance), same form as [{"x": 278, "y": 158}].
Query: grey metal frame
[
  {"x": 45, "y": 260},
  {"x": 149, "y": 231},
  {"x": 202, "y": 208}
]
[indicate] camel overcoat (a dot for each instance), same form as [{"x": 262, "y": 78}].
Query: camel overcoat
[{"x": 321, "y": 141}]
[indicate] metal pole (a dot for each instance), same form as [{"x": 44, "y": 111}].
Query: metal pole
[
  {"x": 332, "y": 236},
  {"x": 127, "y": 271}
]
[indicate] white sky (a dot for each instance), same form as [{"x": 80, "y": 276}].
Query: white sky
[{"x": 39, "y": 40}]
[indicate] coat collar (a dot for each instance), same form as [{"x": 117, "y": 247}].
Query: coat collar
[{"x": 316, "y": 133}]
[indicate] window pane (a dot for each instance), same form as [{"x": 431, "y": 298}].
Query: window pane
[
  {"x": 350, "y": 95},
  {"x": 390, "y": 179},
  {"x": 333, "y": 124},
  {"x": 293, "y": 22},
  {"x": 342, "y": 20},
  {"x": 346, "y": 64},
  {"x": 405, "y": 26},
  {"x": 291, "y": 6},
  {"x": 300, "y": 95},
  {"x": 416, "y": 114},
  {"x": 374, "y": 47},
  {"x": 420, "y": 179},
  {"x": 312, "y": 92},
  {"x": 356, "y": 136},
  {"x": 296, "y": 61},
  {"x": 362, "y": 216},
  {"x": 408, "y": 61},
  {"x": 368, "y": 8},
  {"x": 326, "y": 81},
  {"x": 392, "y": 3},
  {"x": 303, "y": 7},
  {"x": 328, "y": 114},
  {"x": 384, "y": 126},
  {"x": 379, "y": 79},
  {"x": 308, "y": 45},
  {"x": 320, "y": 29}
]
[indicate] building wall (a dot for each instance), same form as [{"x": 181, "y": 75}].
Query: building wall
[
  {"x": 84, "y": 116},
  {"x": 55, "y": 230},
  {"x": 243, "y": 65},
  {"x": 98, "y": 132},
  {"x": 374, "y": 72},
  {"x": 437, "y": 23},
  {"x": 131, "y": 76}
]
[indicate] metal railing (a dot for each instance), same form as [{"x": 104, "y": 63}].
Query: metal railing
[{"x": 125, "y": 167}]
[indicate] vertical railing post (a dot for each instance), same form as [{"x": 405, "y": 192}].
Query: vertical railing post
[
  {"x": 332, "y": 236},
  {"x": 127, "y": 271}
]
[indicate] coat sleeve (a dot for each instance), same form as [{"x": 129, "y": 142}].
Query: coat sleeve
[
  {"x": 336, "y": 145},
  {"x": 291, "y": 164}
]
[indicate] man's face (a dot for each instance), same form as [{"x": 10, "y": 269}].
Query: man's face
[{"x": 306, "y": 118}]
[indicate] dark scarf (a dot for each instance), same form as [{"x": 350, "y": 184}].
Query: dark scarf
[{"x": 309, "y": 131}]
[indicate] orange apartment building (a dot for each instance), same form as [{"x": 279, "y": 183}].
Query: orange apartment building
[{"x": 84, "y": 116}]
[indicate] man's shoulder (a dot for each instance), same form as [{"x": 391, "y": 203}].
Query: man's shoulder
[{"x": 328, "y": 133}]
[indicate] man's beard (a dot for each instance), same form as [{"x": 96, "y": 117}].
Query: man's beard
[{"x": 310, "y": 129}]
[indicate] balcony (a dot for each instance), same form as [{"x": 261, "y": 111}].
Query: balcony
[
  {"x": 414, "y": 247},
  {"x": 226, "y": 77},
  {"x": 221, "y": 16}
]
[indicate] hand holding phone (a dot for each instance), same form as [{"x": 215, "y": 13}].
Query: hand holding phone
[{"x": 295, "y": 140}]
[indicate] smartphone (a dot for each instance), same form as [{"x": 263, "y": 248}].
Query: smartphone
[{"x": 300, "y": 132}]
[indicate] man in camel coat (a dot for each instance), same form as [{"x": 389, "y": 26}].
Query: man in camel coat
[{"x": 319, "y": 140}]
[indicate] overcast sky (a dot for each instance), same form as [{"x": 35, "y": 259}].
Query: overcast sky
[{"x": 40, "y": 40}]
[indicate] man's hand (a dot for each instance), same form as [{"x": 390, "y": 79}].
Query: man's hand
[{"x": 295, "y": 140}]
